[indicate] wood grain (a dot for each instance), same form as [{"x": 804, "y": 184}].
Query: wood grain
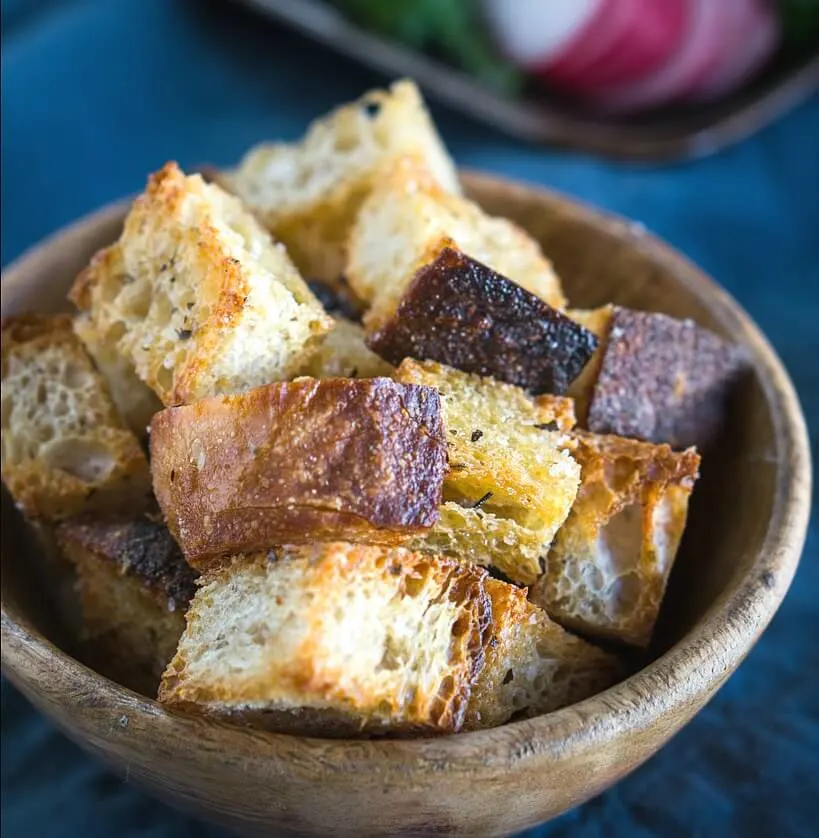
[{"x": 748, "y": 524}]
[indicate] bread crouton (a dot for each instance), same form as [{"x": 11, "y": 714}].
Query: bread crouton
[
  {"x": 607, "y": 571},
  {"x": 134, "y": 587},
  {"x": 532, "y": 666},
  {"x": 343, "y": 353},
  {"x": 100, "y": 334},
  {"x": 308, "y": 193},
  {"x": 65, "y": 448},
  {"x": 307, "y": 460},
  {"x": 656, "y": 378},
  {"x": 460, "y": 312},
  {"x": 504, "y": 463},
  {"x": 207, "y": 303},
  {"x": 408, "y": 218},
  {"x": 334, "y": 639}
]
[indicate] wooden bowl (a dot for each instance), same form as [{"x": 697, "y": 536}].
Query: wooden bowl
[{"x": 747, "y": 527}]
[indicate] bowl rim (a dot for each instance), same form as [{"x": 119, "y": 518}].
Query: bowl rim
[{"x": 688, "y": 673}]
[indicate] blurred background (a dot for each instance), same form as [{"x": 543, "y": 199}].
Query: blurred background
[{"x": 696, "y": 118}]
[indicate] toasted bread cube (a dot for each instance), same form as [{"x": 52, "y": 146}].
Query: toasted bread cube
[
  {"x": 607, "y": 571},
  {"x": 408, "y": 218},
  {"x": 308, "y": 193},
  {"x": 65, "y": 447},
  {"x": 208, "y": 303},
  {"x": 495, "y": 445},
  {"x": 533, "y": 666},
  {"x": 134, "y": 587},
  {"x": 655, "y": 378},
  {"x": 512, "y": 475},
  {"x": 334, "y": 639},
  {"x": 462, "y": 313},
  {"x": 344, "y": 354},
  {"x": 306, "y": 460},
  {"x": 486, "y": 539}
]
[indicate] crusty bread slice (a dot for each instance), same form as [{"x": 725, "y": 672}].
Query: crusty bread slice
[
  {"x": 334, "y": 639},
  {"x": 308, "y": 193},
  {"x": 207, "y": 303},
  {"x": 134, "y": 587},
  {"x": 65, "y": 447},
  {"x": 509, "y": 468},
  {"x": 306, "y": 460},
  {"x": 408, "y": 218},
  {"x": 532, "y": 666},
  {"x": 460, "y": 312},
  {"x": 344, "y": 354},
  {"x": 607, "y": 571},
  {"x": 655, "y": 378}
]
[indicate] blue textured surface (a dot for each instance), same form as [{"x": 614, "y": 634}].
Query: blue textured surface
[{"x": 96, "y": 94}]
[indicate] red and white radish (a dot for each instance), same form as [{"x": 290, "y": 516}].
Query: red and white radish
[
  {"x": 697, "y": 55},
  {"x": 750, "y": 45},
  {"x": 530, "y": 32},
  {"x": 634, "y": 38}
]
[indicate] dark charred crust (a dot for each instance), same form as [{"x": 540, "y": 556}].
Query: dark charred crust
[
  {"x": 663, "y": 380},
  {"x": 337, "y": 300},
  {"x": 142, "y": 548},
  {"x": 348, "y": 459},
  {"x": 461, "y": 313}
]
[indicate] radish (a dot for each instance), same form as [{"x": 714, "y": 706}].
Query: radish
[
  {"x": 696, "y": 57},
  {"x": 641, "y": 34},
  {"x": 752, "y": 42},
  {"x": 529, "y": 32},
  {"x": 566, "y": 67}
]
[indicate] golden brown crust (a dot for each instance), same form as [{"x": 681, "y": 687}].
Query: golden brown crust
[
  {"x": 300, "y": 461},
  {"x": 204, "y": 301},
  {"x": 425, "y": 643},
  {"x": 65, "y": 447},
  {"x": 462, "y": 313},
  {"x": 532, "y": 666},
  {"x": 608, "y": 568}
]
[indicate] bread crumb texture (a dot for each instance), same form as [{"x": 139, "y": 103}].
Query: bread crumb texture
[
  {"x": 409, "y": 217},
  {"x": 607, "y": 571},
  {"x": 207, "y": 302},
  {"x": 135, "y": 401},
  {"x": 340, "y": 638},
  {"x": 308, "y": 193},
  {"x": 65, "y": 448},
  {"x": 533, "y": 666},
  {"x": 511, "y": 479}
]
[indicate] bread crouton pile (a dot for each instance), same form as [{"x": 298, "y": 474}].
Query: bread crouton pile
[{"x": 329, "y": 453}]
